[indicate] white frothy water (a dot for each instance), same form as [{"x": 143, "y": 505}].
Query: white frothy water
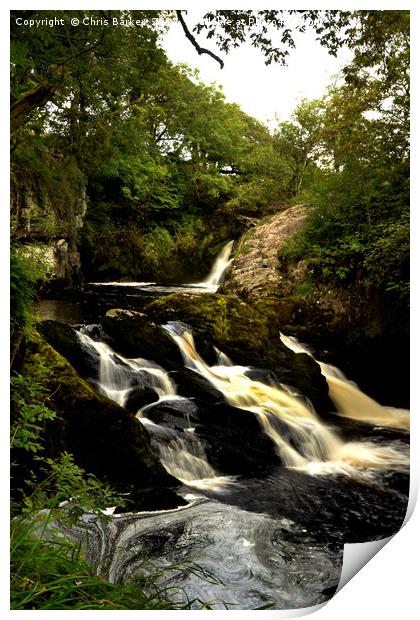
[
  {"x": 350, "y": 401},
  {"x": 218, "y": 270},
  {"x": 210, "y": 284},
  {"x": 182, "y": 456},
  {"x": 116, "y": 373},
  {"x": 302, "y": 441}
]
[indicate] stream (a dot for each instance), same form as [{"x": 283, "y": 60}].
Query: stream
[{"x": 271, "y": 538}]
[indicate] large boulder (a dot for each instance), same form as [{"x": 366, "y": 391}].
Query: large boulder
[
  {"x": 248, "y": 337},
  {"x": 352, "y": 326},
  {"x": 254, "y": 273},
  {"x": 139, "y": 397},
  {"x": 105, "y": 439},
  {"x": 234, "y": 440},
  {"x": 177, "y": 413},
  {"x": 134, "y": 335},
  {"x": 66, "y": 340},
  {"x": 191, "y": 384}
]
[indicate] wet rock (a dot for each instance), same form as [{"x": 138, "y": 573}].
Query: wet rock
[
  {"x": 247, "y": 336},
  {"x": 193, "y": 385},
  {"x": 140, "y": 397},
  {"x": 234, "y": 440},
  {"x": 178, "y": 413},
  {"x": 133, "y": 335},
  {"x": 263, "y": 375},
  {"x": 66, "y": 341},
  {"x": 105, "y": 439}
]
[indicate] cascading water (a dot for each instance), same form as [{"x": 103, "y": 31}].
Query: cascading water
[
  {"x": 182, "y": 456},
  {"x": 271, "y": 535},
  {"x": 219, "y": 268},
  {"x": 349, "y": 400},
  {"x": 117, "y": 375},
  {"x": 313, "y": 447},
  {"x": 210, "y": 284},
  {"x": 260, "y": 537}
]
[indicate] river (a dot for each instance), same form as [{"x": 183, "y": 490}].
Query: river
[{"x": 269, "y": 538}]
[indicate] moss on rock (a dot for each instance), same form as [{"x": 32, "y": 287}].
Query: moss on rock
[
  {"x": 104, "y": 438},
  {"x": 133, "y": 334},
  {"x": 248, "y": 336},
  {"x": 66, "y": 341}
]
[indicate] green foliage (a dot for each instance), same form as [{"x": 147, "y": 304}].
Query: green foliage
[
  {"x": 27, "y": 270},
  {"x": 47, "y": 482},
  {"x": 298, "y": 141},
  {"x": 28, "y": 397},
  {"x": 148, "y": 183},
  {"x": 357, "y": 234},
  {"x": 350, "y": 237}
]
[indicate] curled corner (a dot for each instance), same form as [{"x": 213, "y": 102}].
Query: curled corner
[{"x": 357, "y": 555}]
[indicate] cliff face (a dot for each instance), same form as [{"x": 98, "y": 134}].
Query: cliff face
[
  {"x": 352, "y": 327},
  {"x": 257, "y": 276},
  {"x": 48, "y": 204},
  {"x": 254, "y": 274}
]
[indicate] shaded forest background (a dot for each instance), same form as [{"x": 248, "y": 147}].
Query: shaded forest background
[{"x": 148, "y": 171}]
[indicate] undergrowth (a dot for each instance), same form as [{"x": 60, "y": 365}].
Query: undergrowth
[{"x": 54, "y": 574}]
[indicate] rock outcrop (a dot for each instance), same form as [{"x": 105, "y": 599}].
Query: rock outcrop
[
  {"x": 48, "y": 206},
  {"x": 287, "y": 293},
  {"x": 105, "y": 439},
  {"x": 348, "y": 327},
  {"x": 254, "y": 273},
  {"x": 244, "y": 334}
]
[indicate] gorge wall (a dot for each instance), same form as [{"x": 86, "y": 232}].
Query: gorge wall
[
  {"x": 48, "y": 205},
  {"x": 340, "y": 323}
]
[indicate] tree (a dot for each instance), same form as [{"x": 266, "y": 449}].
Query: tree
[
  {"x": 359, "y": 230},
  {"x": 44, "y": 57},
  {"x": 298, "y": 140}
]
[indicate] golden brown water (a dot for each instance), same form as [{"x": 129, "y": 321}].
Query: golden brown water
[
  {"x": 316, "y": 448},
  {"x": 350, "y": 401}
]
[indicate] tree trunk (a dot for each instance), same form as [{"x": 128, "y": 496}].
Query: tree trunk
[{"x": 20, "y": 110}]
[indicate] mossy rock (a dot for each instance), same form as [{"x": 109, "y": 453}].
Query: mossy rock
[
  {"x": 66, "y": 341},
  {"x": 220, "y": 320},
  {"x": 134, "y": 335},
  {"x": 248, "y": 336},
  {"x": 104, "y": 438}
]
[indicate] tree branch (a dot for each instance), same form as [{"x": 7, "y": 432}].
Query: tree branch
[
  {"x": 200, "y": 50},
  {"x": 20, "y": 110}
]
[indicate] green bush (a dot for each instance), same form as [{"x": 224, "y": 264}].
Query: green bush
[
  {"x": 27, "y": 271},
  {"x": 351, "y": 236}
]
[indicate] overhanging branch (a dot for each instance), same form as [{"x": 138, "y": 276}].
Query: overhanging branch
[
  {"x": 20, "y": 110},
  {"x": 190, "y": 37}
]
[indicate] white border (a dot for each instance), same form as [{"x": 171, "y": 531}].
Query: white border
[{"x": 387, "y": 586}]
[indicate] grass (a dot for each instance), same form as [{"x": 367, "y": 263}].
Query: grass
[
  {"x": 53, "y": 574},
  {"x": 48, "y": 571}
]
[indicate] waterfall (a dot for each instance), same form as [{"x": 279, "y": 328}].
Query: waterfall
[
  {"x": 118, "y": 375},
  {"x": 350, "y": 401},
  {"x": 186, "y": 460},
  {"x": 222, "y": 262},
  {"x": 182, "y": 455},
  {"x": 210, "y": 284},
  {"x": 302, "y": 441}
]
